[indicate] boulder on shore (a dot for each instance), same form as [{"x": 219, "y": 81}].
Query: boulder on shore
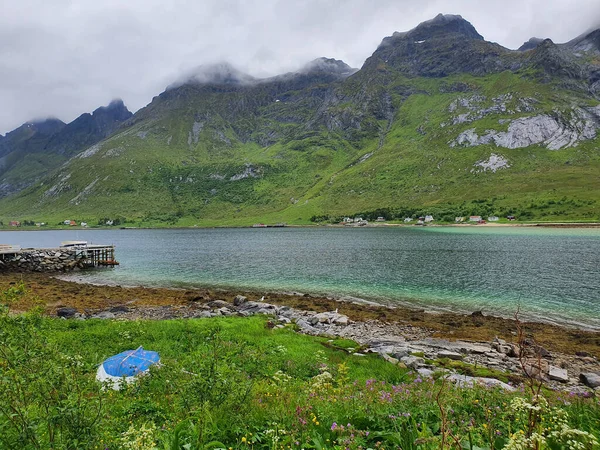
[
  {"x": 558, "y": 374},
  {"x": 450, "y": 355},
  {"x": 66, "y": 312},
  {"x": 590, "y": 379},
  {"x": 239, "y": 300}
]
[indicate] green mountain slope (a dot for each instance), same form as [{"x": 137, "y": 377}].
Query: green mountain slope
[{"x": 436, "y": 121}]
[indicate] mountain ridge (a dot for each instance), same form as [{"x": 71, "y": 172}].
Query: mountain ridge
[
  {"x": 436, "y": 120},
  {"x": 40, "y": 146}
]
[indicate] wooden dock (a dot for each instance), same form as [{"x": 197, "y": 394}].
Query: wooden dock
[{"x": 98, "y": 256}]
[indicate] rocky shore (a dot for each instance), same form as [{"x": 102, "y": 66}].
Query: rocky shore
[
  {"x": 42, "y": 260},
  {"x": 399, "y": 343},
  {"x": 477, "y": 344}
]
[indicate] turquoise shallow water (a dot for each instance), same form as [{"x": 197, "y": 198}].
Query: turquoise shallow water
[{"x": 553, "y": 274}]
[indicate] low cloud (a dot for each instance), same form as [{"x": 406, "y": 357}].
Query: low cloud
[{"x": 63, "y": 58}]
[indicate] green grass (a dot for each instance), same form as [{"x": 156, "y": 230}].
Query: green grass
[
  {"x": 237, "y": 383},
  {"x": 176, "y": 338}
]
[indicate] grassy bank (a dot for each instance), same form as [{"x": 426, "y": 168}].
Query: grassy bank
[{"x": 240, "y": 383}]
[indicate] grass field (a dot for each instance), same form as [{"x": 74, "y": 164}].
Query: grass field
[{"x": 239, "y": 383}]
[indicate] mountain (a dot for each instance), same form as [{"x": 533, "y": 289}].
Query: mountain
[
  {"x": 530, "y": 44},
  {"x": 328, "y": 66},
  {"x": 35, "y": 148},
  {"x": 440, "y": 47},
  {"x": 88, "y": 129},
  {"x": 436, "y": 121},
  {"x": 220, "y": 73},
  {"x": 31, "y": 136},
  {"x": 587, "y": 43}
]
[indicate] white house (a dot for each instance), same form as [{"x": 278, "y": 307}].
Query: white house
[
  {"x": 408, "y": 219},
  {"x": 493, "y": 219},
  {"x": 459, "y": 219},
  {"x": 475, "y": 219},
  {"x": 428, "y": 219}
]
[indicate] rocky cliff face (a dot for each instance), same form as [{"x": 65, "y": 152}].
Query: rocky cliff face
[{"x": 561, "y": 130}]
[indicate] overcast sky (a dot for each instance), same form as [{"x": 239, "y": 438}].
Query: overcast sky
[{"x": 64, "y": 57}]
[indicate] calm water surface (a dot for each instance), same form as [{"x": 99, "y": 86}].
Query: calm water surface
[{"x": 553, "y": 274}]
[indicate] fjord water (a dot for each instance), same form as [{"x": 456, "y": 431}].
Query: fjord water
[{"x": 553, "y": 274}]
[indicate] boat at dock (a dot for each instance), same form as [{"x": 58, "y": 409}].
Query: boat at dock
[{"x": 71, "y": 244}]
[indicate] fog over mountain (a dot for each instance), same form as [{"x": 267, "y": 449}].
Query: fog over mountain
[{"x": 63, "y": 58}]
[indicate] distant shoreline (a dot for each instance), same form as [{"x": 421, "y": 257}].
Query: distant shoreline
[{"x": 370, "y": 225}]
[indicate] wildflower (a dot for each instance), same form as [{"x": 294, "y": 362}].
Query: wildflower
[
  {"x": 244, "y": 439},
  {"x": 386, "y": 396},
  {"x": 333, "y": 426}
]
